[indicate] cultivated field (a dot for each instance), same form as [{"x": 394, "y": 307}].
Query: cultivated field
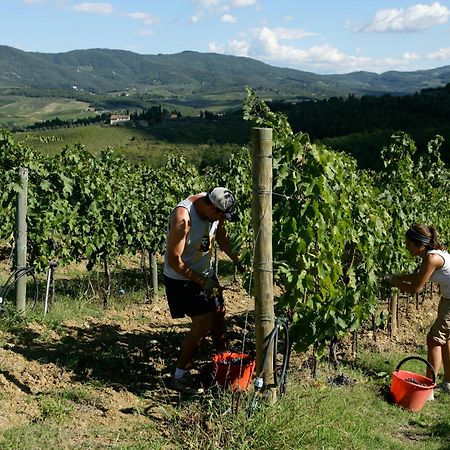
[
  {"x": 26, "y": 110},
  {"x": 198, "y": 142},
  {"x": 84, "y": 378}
]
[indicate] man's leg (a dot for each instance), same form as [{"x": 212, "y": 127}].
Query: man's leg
[{"x": 201, "y": 327}]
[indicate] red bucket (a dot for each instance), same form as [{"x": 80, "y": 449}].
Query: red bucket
[
  {"x": 410, "y": 390},
  {"x": 234, "y": 370}
]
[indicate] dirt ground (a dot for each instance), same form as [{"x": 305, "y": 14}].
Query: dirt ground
[
  {"x": 116, "y": 368},
  {"x": 132, "y": 351}
]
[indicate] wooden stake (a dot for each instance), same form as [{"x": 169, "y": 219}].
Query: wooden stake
[
  {"x": 262, "y": 264},
  {"x": 148, "y": 291},
  {"x": 107, "y": 290},
  {"x": 21, "y": 239},
  {"x": 393, "y": 311},
  {"x": 154, "y": 273}
]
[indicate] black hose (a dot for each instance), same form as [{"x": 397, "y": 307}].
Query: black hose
[
  {"x": 14, "y": 277},
  {"x": 281, "y": 378}
]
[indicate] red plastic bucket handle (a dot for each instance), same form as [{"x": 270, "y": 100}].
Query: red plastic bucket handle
[{"x": 433, "y": 373}]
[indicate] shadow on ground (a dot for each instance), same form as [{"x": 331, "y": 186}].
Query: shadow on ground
[{"x": 138, "y": 361}]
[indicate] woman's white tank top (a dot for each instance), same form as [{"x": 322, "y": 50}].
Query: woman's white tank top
[{"x": 442, "y": 276}]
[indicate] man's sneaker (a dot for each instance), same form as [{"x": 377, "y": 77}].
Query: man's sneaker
[
  {"x": 431, "y": 395},
  {"x": 444, "y": 387},
  {"x": 183, "y": 385}
]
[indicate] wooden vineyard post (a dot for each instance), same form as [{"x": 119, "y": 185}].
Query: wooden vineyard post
[
  {"x": 148, "y": 291},
  {"x": 393, "y": 312},
  {"x": 154, "y": 274},
  {"x": 21, "y": 239},
  {"x": 262, "y": 264},
  {"x": 107, "y": 290}
]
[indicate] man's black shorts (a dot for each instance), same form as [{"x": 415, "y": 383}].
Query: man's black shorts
[{"x": 187, "y": 298}]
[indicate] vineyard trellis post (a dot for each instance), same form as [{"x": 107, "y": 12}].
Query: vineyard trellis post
[
  {"x": 21, "y": 239},
  {"x": 262, "y": 264},
  {"x": 154, "y": 274},
  {"x": 393, "y": 306}
]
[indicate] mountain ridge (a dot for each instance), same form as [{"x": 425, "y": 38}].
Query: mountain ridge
[{"x": 191, "y": 74}]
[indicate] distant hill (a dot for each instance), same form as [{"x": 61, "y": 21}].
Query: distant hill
[{"x": 191, "y": 75}]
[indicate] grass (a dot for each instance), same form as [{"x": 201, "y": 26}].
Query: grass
[
  {"x": 148, "y": 146},
  {"x": 310, "y": 416},
  {"x": 109, "y": 362},
  {"x": 315, "y": 415},
  {"x": 25, "y": 110},
  {"x": 54, "y": 408}
]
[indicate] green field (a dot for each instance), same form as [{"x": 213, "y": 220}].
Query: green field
[
  {"x": 195, "y": 141},
  {"x": 21, "y": 110}
]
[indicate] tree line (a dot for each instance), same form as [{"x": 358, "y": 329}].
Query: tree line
[{"x": 363, "y": 126}]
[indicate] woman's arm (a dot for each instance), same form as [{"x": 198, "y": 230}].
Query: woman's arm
[{"x": 414, "y": 282}]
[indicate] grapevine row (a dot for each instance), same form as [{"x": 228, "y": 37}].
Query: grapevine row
[{"x": 336, "y": 228}]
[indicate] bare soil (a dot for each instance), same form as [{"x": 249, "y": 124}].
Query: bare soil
[
  {"x": 122, "y": 363},
  {"x": 115, "y": 370}
]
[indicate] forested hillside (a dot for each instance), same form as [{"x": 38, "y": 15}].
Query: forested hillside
[
  {"x": 362, "y": 126},
  {"x": 193, "y": 76}
]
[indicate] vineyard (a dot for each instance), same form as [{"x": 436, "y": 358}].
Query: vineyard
[
  {"x": 81, "y": 378},
  {"x": 336, "y": 230}
]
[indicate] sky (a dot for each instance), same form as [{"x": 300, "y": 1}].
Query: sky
[{"x": 320, "y": 36}]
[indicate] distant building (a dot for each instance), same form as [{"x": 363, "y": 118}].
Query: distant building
[{"x": 119, "y": 118}]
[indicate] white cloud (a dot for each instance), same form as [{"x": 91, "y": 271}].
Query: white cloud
[
  {"x": 196, "y": 18},
  {"x": 32, "y": 2},
  {"x": 291, "y": 33},
  {"x": 415, "y": 18},
  {"x": 97, "y": 8},
  {"x": 213, "y": 47},
  {"x": 206, "y": 3},
  {"x": 218, "y": 7},
  {"x": 243, "y": 3},
  {"x": 410, "y": 56},
  {"x": 239, "y": 48},
  {"x": 265, "y": 45},
  {"x": 442, "y": 53},
  {"x": 233, "y": 47},
  {"x": 266, "y": 41},
  {"x": 228, "y": 18},
  {"x": 148, "y": 19}
]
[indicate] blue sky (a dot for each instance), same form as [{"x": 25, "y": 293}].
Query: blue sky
[{"x": 321, "y": 36}]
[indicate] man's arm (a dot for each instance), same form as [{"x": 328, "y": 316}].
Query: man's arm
[
  {"x": 224, "y": 242},
  {"x": 178, "y": 230}
]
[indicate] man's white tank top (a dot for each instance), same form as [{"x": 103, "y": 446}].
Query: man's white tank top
[
  {"x": 442, "y": 276},
  {"x": 200, "y": 240}
]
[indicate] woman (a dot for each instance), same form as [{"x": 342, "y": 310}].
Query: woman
[{"x": 421, "y": 241}]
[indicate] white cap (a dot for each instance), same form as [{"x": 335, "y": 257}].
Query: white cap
[{"x": 223, "y": 199}]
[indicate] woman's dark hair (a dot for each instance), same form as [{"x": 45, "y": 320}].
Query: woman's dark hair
[{"x": 421, "y": 234}]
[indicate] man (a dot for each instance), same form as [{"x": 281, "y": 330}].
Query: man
[{"x": 192, "y": 288}]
